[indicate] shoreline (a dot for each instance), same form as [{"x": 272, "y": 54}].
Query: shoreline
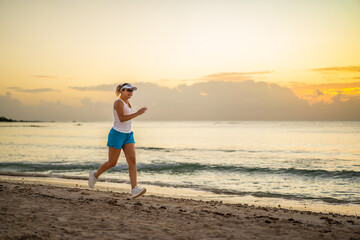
[
  {"x": 41, "y": 211},
  {"x": 122, "y": 186}
]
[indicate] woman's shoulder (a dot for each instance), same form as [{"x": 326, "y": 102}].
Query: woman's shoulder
[
  {"x": 118, "y": 103},
  {"x": 118, "y": 100}
]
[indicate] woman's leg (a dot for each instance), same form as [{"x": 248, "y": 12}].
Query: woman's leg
[
  {"x": 130, "y": 155},
  {"x": 113, "y": 158}
]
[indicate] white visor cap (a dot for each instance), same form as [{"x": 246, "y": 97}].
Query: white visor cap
[{"x": 128, "y": 86}]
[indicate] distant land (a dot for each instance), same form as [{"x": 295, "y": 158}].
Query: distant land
[{"x": 4, "y": 119}]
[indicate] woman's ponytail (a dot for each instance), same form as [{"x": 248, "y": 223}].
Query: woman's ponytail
[{"x": 118, "y": 88}]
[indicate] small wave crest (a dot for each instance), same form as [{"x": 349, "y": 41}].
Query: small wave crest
[
  {"x": 179, "y": 168},
  {"x": 194, "y": 149}
]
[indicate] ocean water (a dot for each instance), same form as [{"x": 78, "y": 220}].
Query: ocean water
[{"x": 317, "y": 163}]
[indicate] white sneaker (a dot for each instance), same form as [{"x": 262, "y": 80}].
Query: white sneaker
[
  {"x": 137, "y": 192},
  {"x": 92, "y": 179}
]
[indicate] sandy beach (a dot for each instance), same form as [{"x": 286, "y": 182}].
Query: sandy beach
[{"x": 40, "y": 211}]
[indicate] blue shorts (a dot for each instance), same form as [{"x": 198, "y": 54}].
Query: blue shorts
[{"x": 119, "y": 139}]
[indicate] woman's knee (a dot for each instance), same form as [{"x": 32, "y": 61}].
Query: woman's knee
[{"x": 111, "y": 164}]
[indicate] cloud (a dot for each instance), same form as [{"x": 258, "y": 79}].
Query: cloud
[
  {"x": 13, "y": 88},
  {"x": 329, "y": 85},
  {"x": 233, "y": 76},
  {"x": 337, "y": 110},
  {"x": 338, "y": 69},
  {"x": 329, "y": 88},
  {"x": 36, "y": 90},
  {"x": 50, "y": 111},
  {"x": 247, "y": 100},
  {"x": 326, "y": 91},
  {"x": 112, "y": 87},
  {"x": 215, "y": 100},
  {"x": 103, "y": 87},
  {"x": 223, "y": 76},
  {"x": 44, "y": 76},
  {"x": 319, "y": 93}
]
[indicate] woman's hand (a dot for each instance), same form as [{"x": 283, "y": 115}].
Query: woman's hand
[{"x": 141, "y": 110}]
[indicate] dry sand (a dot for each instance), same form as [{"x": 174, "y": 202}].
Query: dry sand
[{"x": 35, "y": 211}]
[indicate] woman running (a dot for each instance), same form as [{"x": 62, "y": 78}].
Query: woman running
[{"x": 121, "y": 137}]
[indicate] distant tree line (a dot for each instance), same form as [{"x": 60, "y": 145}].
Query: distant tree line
[{"x": 4, "y": 119}]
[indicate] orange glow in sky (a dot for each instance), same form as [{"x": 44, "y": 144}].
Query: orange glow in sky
[{"x": 46, "y": 47}]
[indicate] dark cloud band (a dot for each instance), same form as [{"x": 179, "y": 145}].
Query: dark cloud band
[
  {"x": 36, "y": 90},
  {"x": 338, "y": 69}
]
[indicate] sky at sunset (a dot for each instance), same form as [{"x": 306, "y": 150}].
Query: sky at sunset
[{"x": 71, "y": 52}]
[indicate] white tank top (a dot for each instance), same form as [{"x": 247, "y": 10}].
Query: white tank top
[{"x": 124, "y": 127}]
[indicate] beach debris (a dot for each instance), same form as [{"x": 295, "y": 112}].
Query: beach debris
[
  {"x": 330, "y": 220},
  {"x": 138, "y": 204},
  {"x": 113, "y": 202},
  {"x": 351, "y": 221},
  {"x": 293, "y": 221}
]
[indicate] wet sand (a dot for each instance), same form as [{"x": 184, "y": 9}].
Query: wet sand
[{"x": 36, "y": 211}]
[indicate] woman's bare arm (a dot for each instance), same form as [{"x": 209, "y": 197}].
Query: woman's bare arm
[{"x": 119, "y": 107}]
